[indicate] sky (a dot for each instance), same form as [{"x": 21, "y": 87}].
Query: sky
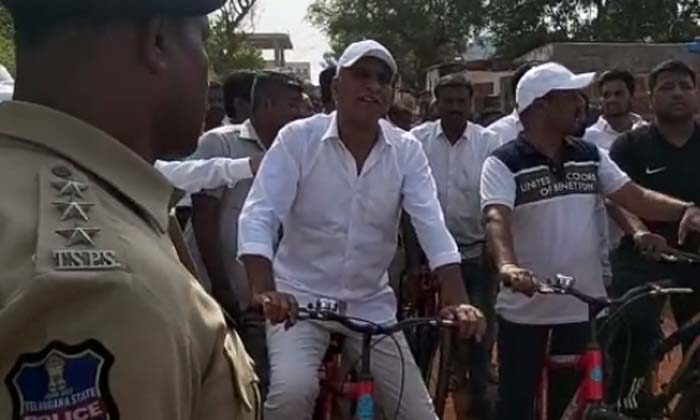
[{"x": 288, "y": 16}]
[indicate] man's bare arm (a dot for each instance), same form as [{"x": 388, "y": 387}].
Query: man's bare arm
[
  {"x": 648, "y": 204},
  {"x": 652, "y": 205},
  {"x": 628, "y": 222},
  {"x": 499, "y": 237}
]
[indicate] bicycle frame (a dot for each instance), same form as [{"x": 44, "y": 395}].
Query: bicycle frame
[
  {"x": 589, "y": 398},
  {"x": 361, "y": 391},
  {"x": 591, "y": 389}
]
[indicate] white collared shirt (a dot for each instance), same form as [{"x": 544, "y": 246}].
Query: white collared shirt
[
  {"x": 457, "y": 171},
  {"x": 192, "y": 176},
  {"x": 507, "y": 128},
  {"x": 341, "y": 228},
  {"x": 603, "y": 135}
]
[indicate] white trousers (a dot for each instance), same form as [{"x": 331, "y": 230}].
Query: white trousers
[{"x": 296, "y": 355}]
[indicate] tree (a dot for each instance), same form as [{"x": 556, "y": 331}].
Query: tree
[
  {"x": 517, "y": 26},
  {"x": 419, "y": 33},
  {"x": 227, "y": 47},
  {"x": 7, "y": 45}
]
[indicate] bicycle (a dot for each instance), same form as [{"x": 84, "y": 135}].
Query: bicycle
[
  {"x": 588, "y": 402},
  {"x": 679, "y": 398},
  {"x": 360, "y": 389}
]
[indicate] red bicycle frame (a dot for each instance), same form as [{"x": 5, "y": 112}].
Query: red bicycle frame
[
  {"x": 334, "y": 384},
  {"x": 590, "y": 391}
]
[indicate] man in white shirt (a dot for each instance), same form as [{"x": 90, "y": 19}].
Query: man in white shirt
[
  {"x": 336, "y": 184},
  {"x": 507, "y": 128},
  {"x": 616, "y": 89},
  {"x": 456, "y": 149},
  {"x": 213, "y": 236},
  {"x": 539, "y": 197}
]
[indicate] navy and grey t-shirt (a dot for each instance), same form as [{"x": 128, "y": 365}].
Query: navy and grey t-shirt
[{"x": 554, "y": 223}]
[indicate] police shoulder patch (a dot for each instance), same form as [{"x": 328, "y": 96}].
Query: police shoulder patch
[{"x": 63, "y": 382}]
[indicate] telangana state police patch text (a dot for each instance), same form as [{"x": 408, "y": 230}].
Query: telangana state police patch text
[{"x": 63, "y": 382}]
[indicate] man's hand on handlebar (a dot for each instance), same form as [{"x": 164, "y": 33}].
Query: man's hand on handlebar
[
  {"x": 689, "y": 223},
  {"x": 470, "y": 320},
  {"x": 651, "y": 244},
  {"x": 277, "y": 307},
  {"x": 518, "y": 279}
]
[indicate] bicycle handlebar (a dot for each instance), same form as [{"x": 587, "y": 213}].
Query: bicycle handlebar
[
  {"x": 563, "y": 285},
  {"x": 680, "y": 257},
  {"x": 362, "y": 326}
]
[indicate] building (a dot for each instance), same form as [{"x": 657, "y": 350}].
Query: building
[
  {"x": 486, "y": 75},
  {"x": 492, "y": 77},
  {"x": 276, "y": 42},
  {"x": 301, "y": 69}
]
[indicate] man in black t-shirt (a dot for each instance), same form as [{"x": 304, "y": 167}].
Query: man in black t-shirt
[{"x": 665, "y": 157}]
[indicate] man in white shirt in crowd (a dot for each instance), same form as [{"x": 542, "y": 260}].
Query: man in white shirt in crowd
[
  {"x": 539, "y": 198},
  {"x": 456, "y": 149},
  {"x": 213, "y": 236},
  {"x": 507, "y": 128},
  {"x": 336, "y": 185},
  {"x": 616, "y": 89}
]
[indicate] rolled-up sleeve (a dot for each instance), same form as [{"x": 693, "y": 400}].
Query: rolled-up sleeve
[
  {"x": 420, "y": 201},
  {"x": 192, "y": 176},
  {"x": 497, "y": 184},
  {"x": 269, "y": 201}
]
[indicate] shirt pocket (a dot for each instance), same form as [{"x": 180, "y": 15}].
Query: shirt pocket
[
  {"x": 380, "y": 199},
  {"x": 245, "y": 381}
]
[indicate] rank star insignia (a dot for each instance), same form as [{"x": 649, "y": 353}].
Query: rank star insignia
[
  {"x": 78, "y": 235},
  {"x": 68, "y": 188},
  {"x": 73, "y": 210}
]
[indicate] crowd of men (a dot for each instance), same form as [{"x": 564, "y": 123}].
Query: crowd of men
[
  {"x": 107, "y": 308},
  {"x": 519, "y": 189}
]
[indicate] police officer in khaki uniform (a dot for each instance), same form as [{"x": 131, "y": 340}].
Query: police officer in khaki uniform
[{"x": 99, "y": 319}]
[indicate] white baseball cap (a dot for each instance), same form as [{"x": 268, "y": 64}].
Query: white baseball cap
[
  {"x": 542, "y": 79},
  {"x": 367, "y": 48}
]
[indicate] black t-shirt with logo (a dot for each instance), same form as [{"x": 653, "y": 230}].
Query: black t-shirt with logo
[{"x": 654, "y": 163}]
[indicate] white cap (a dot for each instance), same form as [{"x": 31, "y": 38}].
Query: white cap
[
  {"x": 366, "y": 48},
  {"x": 542, "y": 79}
]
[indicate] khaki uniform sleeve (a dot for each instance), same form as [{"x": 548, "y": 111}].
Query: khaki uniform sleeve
[
  {"x": 99, "y": 319},
  {"x": 96, "y": 346},
  {"x": 230, "y": 389}
]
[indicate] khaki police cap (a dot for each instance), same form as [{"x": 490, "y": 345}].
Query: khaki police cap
[{"x": 65, "y": 10}]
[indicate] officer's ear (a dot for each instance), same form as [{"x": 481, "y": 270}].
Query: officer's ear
[{"x": 154, "y": 44}]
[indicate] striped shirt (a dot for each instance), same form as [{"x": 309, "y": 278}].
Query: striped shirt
[{"x": 554, "y": 223}]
